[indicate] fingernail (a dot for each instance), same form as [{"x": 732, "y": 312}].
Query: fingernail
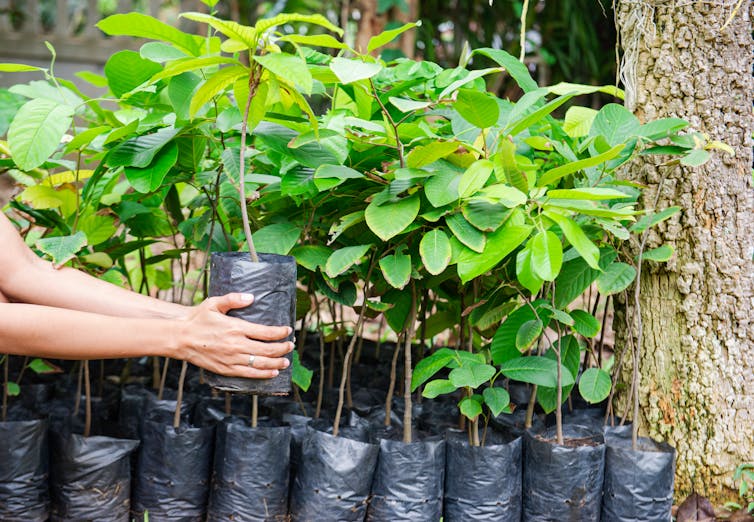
[
  {"x": 290, "y": 330},
  {"x": 247, "y": 298},
  {"x": 286, "y": 363},
  {"x": 291, "y": 347},
  {"x": 275, "y": 373}
]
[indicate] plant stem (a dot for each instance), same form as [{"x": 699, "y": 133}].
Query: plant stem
[
  {"x": 349, "y": 351},
  {"x": 24, "y": 365},
  {"x": 88, "y": 407},
  {"x": 254, "y": 78},
  {"x": 408, "y": 370},
  {"x": 163, "y": 378},
  {"x": 391, "y": 386},
  {"x": 254, "y": 411},
  {"x": 321, "y": 339},
  {"x": 179, "y": 398},
  {"x": 77, "y": 402},
  {"x": 559, "y": 392},
  {"x": 6, "y": 362}
]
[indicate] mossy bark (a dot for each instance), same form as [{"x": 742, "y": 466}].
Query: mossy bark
[{"x": 697, "y": 363}]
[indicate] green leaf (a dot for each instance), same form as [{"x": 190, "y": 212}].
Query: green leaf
[
  {"x": 141, "y": 150},
  {"x": 215, "y": 85},
  {"x": 578, "y": 121},
  {"x": 397, "y": 269},
  {"x": 192, "y": 64},
  {"x": 301, "y": 376},
  {"x": 576, "y": 236},
  {"x": 62, "y": 248},
  {"x": 438, "y": 387},
  {"x": 127, "y": 70},
  {"x": 386, "y": 37},
  {"x": 150, "y": 178},
  {"x": 517, "y": 126},
  {"x": 588, "y": 193},
  {"x": 430, "y": 365},
  {"x": 576, "y": 276},
  {"x": 40, "y": 366},
  {"x": 585, "y": 323},
  {"x": 471, "y": 407},
  {"x": 654, "y": 218},
  {"x": 466, "y": 233},
  {"x": 314, "y": 40},
  {"x": 287, "y": 18},
  {"x": 485, "y": 216},
  {"x": 616, "y": 278},
  {"x": 660, "y": 254},
  {"x": 471, "y": 376},
  {"x": 581, "y": 89},
  {"x": 506, "y": 167},
  {"x": 517, "y": 70},
  {"x": 18, "y": 67},
  {"x": 616, "y": 123},
  {"x": 36, "y": 131},
  {"x": 505, "y": 194},
  {"x": 474, "y": 178},
  {"x": 405, "y": 105},
  {"x": 696, "y": 158},
  {"x": 241, "y": 33},
  {"x": 344, "y": 258},
  {"x": 594, "y": 385},
  {"x": 425, "y": 154},
  {"x": 478, "y": 108},
  {"x": 553, "y": 175},
  {"x": 661, "y": 128},
  {"x": 288, "y": 67},
  {"x": 278, "y": 238},
  {"x": 497, "y": 399},
  {"x": 98, "y": 228},
  {"x": 13, "y": 389},
  {"x": 311, "y": 257},
  {"x": 528, "y": 334},
  {"x": 499, "y": 244},
  {"x": 546, "y": 255},
  {"x": 435, "y": 251},
  {"x": 330, "y": 176},
  {"x": 528, "y": 279},
  {"x": 352, "y": 70},
  {"x": 390, "y": 219},
  {"x": 541, "y": 371},
  {"x": 503, "y": 346},
  {"x": 143, "y": 26},
  {"x": 442, "y": 188}
]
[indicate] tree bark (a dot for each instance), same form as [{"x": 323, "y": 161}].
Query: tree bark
[{"x": 697, "y": 362}]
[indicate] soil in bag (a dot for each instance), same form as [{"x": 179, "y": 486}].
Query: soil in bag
[
  {"x": 482, "y": 483},
  {"x": 24, "y": 495},
  {"x": 334, "y": 476},
  {"x": 273, "y": 282},
  {"x": 638, "y": 483},
  {"x": 90, "y": 478},
  {"x": 408, "y": 482},
  {"x": 250, "y": 477},
  {"x": 563, "y": 483},
  {"x": 173, "y": 471}
]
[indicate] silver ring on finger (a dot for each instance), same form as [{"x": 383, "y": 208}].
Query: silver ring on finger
[{"x": 251, "y": 360}]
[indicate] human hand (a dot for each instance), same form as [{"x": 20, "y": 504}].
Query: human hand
[{"x": 210, "y": 339}]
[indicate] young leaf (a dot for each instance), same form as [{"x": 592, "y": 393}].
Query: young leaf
[
  {"x": 588, "y": 193},
  {"x": 594, "y": 385},
  {"x": 499, "y": 244},
  {"x": 386, "y": 37},
  {"x": 528, "y": 334},
  {"x": 62, "y": 248},
  {"x": 390, "y": 219},
  {"x": 286, "y": 18},
  {"x": 344, "y": 258},
  {"x": 434, "y": 250},
  {"x": 36, "y": 131},
  {"x": 497, "y": 399},
  {"x": 404, "y": 105},
  {"x": 515, "y": 68},
  {"x": 425, "y": 154},
  {"x": 142, "y": 26},
  {"x": 40, "y": 366},
  {"x": 288, "y": 67},
  {"x": 215, "y": 85},
  {"x": 278, "y": 238},
  {"x": 536, "y": 370},
  {"x": 241, "y": 33},
  {"x": 546, "y": 255},
  {"x": 430, "y": 365},
  {"x": 616, "y": 278},
  {"x": 18, "y": 67},
  {"x": 438, "y": 387},
  {"x": 578, "y": 121},
  {"x": 585, "y": 323},
  {"x": 397, "y": 269},
  {"x": 576, "y": 236},
  {"x": 474, "y": 178},
  {"x": 652, "y": 219},
  {"x": 506, "y": 168},
  {"x": 660, "y": 254},
  {"x": 352, "y": 70},
  {"x": 553, "y": 175},
  {"x": 301, "y": 376},
  {"x": 478, "y": 108},
  {"x": 13, "y": 389},
  {"x": 471, "y": 376},
  {"x": 471, "y": 407}
]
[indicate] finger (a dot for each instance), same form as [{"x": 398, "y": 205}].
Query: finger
[
  {"x": 268, "y": 349},
  {"x": 227, "y": 302},
  {"x": 252, "y": 373},
  {"x": 266, "y": 333},
  {"x": 269, "y": 363}
]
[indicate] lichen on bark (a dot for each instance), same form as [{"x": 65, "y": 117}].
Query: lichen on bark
[{"x": 697, "y": 364}]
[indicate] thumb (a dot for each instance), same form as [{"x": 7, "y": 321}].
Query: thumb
[{"x": 230, "y": 301}]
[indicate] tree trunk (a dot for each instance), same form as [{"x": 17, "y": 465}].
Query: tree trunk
[
  {"x": 697, "y": 361},
  {"x": 370, "y": 24}
]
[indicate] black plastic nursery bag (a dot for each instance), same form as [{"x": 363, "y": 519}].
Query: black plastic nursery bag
[
  {"x": 408, "y": 482},
  {"x": 333, "y": 478},
  {"x": 250, "y": 479},
  {"x": 173, "y": 472},
  {"x": 24, "y": 493},
  {"x": 563, "y": 483},
  {"x": 482, "y": 483},
  {"x": 638, "y": 483},
  {"x": 273, "y": 282},
  {"x": 90, "y": 478}
]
